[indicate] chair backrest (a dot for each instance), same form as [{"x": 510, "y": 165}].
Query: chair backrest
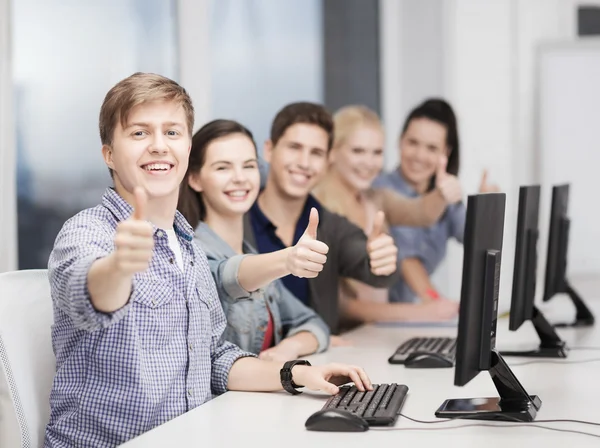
[{"x": 27, "y": 362}]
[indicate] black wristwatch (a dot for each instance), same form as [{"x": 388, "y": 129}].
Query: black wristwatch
[{"x": 286, "y": 376}]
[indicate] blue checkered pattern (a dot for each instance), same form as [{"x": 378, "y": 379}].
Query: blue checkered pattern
[{"x": 121, "y": 374}]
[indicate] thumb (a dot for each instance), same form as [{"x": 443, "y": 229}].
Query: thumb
[
  {"x": 139, "y": 204},
  {"x": 484, "y": 178},
  {"x": 378, "y": 225},
  {"x": 313, "y": 223},
  {"x": 328, "y": 387}
]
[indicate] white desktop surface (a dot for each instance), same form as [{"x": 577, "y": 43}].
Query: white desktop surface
[{"x": 570, "y": 391}]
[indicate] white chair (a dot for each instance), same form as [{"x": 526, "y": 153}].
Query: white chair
[{"x": 27, "y": 362}]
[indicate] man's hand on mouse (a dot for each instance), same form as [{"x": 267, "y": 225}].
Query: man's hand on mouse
[{"x": 329, "y": 376}]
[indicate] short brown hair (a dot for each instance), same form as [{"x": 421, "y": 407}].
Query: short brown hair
[
  {"x": 302, "y": 112},
  {"x": 137, "y": 89}
]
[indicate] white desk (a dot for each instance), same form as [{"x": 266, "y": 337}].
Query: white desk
[{"x": 277, "y": 419}]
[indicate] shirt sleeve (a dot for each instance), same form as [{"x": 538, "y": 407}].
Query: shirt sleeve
[
  {"x": 81, "y": 242},
  {"x": 297, "y": 317},
  {"x": 225, "y": 274},
  {"x": 353, "y": 257},
  {"x": 223, "y": 353},
  {"x": 458, "y": 216},
  {"x": 408, "y": 240}
]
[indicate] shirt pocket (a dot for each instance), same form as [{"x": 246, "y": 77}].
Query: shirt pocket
[{"x": 153, "y": 302}]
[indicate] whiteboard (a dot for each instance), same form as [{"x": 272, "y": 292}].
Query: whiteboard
[{"x": 568, "y": 111}]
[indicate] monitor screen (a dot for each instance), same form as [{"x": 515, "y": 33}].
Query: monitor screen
[
  {"x": 525, "y": 268},
  {"x": 484, "y": 231}
]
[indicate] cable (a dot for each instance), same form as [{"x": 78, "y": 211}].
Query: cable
[
  {"x": 582, "y": 422},
  {"x": 510, "y": 425},
  {"x": 489, "y": 425},
  {"x": 582, "y": 361},
  {"x": 584, "y": 348}
]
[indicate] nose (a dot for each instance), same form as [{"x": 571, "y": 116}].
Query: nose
[
  {"x": 421, "y": 153},
  {"x": 158, "y": 145},
  {"x": 239, "y": 175},
  {"x": 304, "y": 158}
]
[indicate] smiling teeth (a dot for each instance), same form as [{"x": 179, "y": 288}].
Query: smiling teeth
[
  {"x": 237, "y": 193},
  {"x": 157, "y": 167}
]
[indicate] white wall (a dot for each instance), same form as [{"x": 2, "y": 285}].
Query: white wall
[
  {"x": 487, "y": 64},
  {"x": 8, "y": 241},
  {"x": 194, "y": 51}
]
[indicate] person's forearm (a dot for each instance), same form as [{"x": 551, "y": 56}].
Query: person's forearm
[
  {"x": 255, "y": 375},
  {"x": 303, "y": 343},
  {"x": 433, "y": 205},
  {"x": 416, "y": 277},
  {"x": 257, "y": 271},
  {"x": 423, "y": 211},
  {"x": 109, "y": 289}
]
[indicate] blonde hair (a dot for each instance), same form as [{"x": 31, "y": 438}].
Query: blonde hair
[
  {"x": 137, "y": 89},
  {"x": 349, "y": 118}
]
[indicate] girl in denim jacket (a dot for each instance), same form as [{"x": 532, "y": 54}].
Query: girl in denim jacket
[{"x": 221, "y": 184}]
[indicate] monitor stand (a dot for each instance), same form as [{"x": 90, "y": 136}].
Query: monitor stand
[
  {"x": 583, "y": 316},
  {"x": 551, "y": 345},
  {"x": 513, "y": 403}
]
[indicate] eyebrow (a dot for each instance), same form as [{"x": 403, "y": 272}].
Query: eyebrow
[{"x": 147, "y": 125}]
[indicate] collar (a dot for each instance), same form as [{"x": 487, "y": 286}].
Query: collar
[
  {"x": 122, "y": 210},
  {"x": 262, "y": 223},
  {"x": 214, "y": 244}
]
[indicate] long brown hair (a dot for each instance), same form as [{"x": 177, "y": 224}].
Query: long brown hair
[{"x": 190, "y": 203}]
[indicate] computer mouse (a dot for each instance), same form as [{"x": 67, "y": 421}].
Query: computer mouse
[
  {"x": 335, "y": 420},
  {"x": 427, "y": 360}
]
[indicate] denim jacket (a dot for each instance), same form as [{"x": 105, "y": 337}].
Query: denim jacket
[{"x": 247, "y": 313}]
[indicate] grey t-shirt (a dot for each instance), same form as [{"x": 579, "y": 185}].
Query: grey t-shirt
[{"x": 428, "y": 244}]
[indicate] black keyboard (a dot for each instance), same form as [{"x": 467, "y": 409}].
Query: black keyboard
[
  {"x": 377, "y": 407},
  {"x": 444, "y": 347}
]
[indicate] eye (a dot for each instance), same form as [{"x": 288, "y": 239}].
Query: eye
[
  {"x": 172, "y": 133},
  {"x": 378, "y": 152},
  {"x": 250, "y": 166},
  {"x": 138, "y": 133},
  {"x": 358, "y": 151}
]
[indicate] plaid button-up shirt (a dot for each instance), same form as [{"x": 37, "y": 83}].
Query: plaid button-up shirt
[{"x": 120, "y": 374}]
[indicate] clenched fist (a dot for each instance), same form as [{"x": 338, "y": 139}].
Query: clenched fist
[
  {"x": 134, "y": 241},
  {"x": 307, "y": 257}
]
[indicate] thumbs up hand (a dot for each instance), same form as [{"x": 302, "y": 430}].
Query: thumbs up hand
[
  {"x": 485, "y": 186},
  {"x": 307, "y": 257},
  {"x": 447, "y": 184},
  {"x": 134, "y": 241},
  {"x": 381, "y": 248}
]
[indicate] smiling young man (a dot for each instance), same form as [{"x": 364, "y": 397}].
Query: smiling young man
[
  {"x": 301, "y": 136},
  {"x": 138, "y": 325}
]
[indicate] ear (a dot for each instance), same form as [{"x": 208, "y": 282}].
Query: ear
[
  {"x": 194, "y": 182},
  {"x": 107, "y": 155},
  {"x": 268, "y": 150}
]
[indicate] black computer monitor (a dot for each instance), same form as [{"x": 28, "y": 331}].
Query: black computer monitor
[
  {"x": 522, "y": 307},
  {"x": 556, "y": 260},
  {"x": 475, "y": 348}
]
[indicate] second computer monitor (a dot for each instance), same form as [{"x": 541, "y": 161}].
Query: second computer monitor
[
  {"x": 525, "y": 268},
  {"x": 522, "y": 307}
]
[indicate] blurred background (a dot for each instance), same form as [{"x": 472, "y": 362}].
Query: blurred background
[{"x": 522, "y": 75}]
